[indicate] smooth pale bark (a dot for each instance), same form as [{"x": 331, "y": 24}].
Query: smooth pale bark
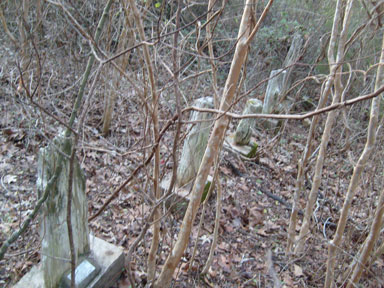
[
  {"x": 126, "y": 39},
  {"x": 304, "y": 231},
  {"x": 354, "y": 182},
  {"x": 156, "y": 169},
  {"x": 211, "y": 53},
  {"x": 368, "y": 244},
  {"x": 244, "y": 37},
  {"x": 299, "y": 189}
]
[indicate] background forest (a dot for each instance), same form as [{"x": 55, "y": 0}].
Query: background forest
[{"x": 123, "y": 76}]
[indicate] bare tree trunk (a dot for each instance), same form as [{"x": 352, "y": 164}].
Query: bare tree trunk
[
  {"x": 156, "y": 169},
  {"x": 308, "y": 147},
  {"x": 126, "y": 39},
  {"x": 326, "y": 134},
  {"x": 369, "y": 243},
  {"x": 216, "y": 99},
  {"x": 244, "y": 37},
  {"x": 22, "y": 20},
  {"x": 357, "y": 171},
  {"x": 208, "y": 263}
]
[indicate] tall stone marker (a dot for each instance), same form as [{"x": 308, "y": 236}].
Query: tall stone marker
[
  {"x": 55, "y": 249},
  {"x": 98, "y": 262},
  {"x": 279, "y": 82},
  {"x": 195, "y": 143}
]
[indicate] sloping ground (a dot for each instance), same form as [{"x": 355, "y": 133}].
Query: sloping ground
[
  {"x": 252, "y": 221},
  {"x": 254, "y": 216}
]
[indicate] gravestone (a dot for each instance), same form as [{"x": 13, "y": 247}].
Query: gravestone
[
  {"x": 274, "y": 90},
  {"x": 272, "y": 97},
  {"x": 55, "y": 249},
  {"x": 98, "y": 262},
  {"x": 244, "y": 129},
  {"x": 291, "y": 58},
  {"x": 195, "y": 142},
  {"x": 279, "y": 82}
]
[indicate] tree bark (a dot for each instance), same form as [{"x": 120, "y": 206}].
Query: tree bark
[
  {"x": 327, "y": 132},
  {"x": 156, "y": 168},
  {"x": 244, "y": 37},
  {"x": 126, "y": 39},
  {"x": 299, "y": 189},
  {"x": 357, "y": 171}
]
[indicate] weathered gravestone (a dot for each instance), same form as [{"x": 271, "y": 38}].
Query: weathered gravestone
[
  {"x": 54, "y": 232},
  {"x": 244, "y": 129},
  {"x": 278, "y": 83},
  {"x": 190, "y": 159},
  {"x": 273, "y": 102},
  {"x": 272, "y": 97},
  {"x": 55, "y": 249},
  {"x": 195, "y": 142}
]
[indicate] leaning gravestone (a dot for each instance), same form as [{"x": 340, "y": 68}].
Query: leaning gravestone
[
  {"x": 291, "y": 58},
  {"x": 279, "y": 81},
  {"x": 91, "y": 255},
  {"x": 195, "y": 143},
  {"x": 272, "y": 96}
]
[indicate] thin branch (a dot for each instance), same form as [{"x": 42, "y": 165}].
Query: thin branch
[
  {"x": 69, "y": 213},
  {"x": 31, "y": 216},
  {"x": 138, "y": 168},
  {"x": 329, "y": 108}
]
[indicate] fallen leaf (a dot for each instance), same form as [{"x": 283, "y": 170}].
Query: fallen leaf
[
  {"x": 288, "y": 280},
  {"x": 8, "y": 179},
  {"x": 225, "y": 263},
  {"x": 298, "y": 271},
  {"x": 261, "y": 232}
]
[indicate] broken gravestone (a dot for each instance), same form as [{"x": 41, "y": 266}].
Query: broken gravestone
[
  {"x": 195, "y": 142},
  {"x": 244, "y": 129},
  {"x": 278, "y": 83},
  {"x": 272, "y": 96},
  {"x": 55, "y": 249}
]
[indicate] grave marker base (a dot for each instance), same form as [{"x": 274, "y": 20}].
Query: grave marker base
[{"x": 109, "y": 257}]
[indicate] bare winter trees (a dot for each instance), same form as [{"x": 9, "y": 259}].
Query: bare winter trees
[
  {"x": 155, "y": 59},
  {"x": 245, "y": 35}
]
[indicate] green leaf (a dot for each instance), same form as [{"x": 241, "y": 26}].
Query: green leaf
[
  {"x": 206, "y": 189},
  {"x": 253, "y": 151},
  {"x": 158, "y": 5}
]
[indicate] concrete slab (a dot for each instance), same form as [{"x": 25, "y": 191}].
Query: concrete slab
[
  {"x": 109, "y": 257},
  {"x": 85, "y": 272}
]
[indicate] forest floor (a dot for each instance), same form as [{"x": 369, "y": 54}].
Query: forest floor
[{"x": 251, "y": 224}]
